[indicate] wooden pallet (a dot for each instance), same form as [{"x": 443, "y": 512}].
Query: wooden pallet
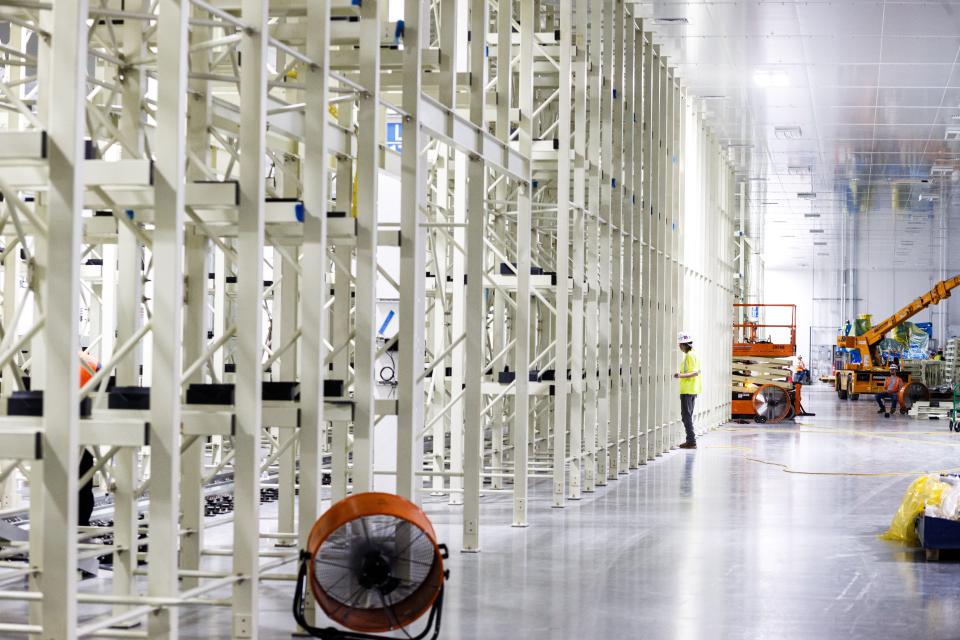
[
  {"x": 921, "y": 410},
  {"x": 750, "y": 373}
]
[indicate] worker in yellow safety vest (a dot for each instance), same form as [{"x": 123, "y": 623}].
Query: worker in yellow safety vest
[
  {"x": 891, "y": 391},
  {"x": 690, "y": 387}
]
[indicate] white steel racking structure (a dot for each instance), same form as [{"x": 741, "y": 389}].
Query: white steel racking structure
[{"x": 198, "y": 193}]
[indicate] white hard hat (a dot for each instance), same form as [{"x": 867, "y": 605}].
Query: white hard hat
[{"x": 684, "y": 338}]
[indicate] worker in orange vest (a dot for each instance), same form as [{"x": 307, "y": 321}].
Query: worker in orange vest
[
  {"x": 88, "y": 367},
  {"x": 891, "y": 391}
]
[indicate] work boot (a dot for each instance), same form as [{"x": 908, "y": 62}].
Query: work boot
[
  {"x": 881, "y": 410},
  {"x": 689, "y": 445},
  {"x": 886, "y": 415}
]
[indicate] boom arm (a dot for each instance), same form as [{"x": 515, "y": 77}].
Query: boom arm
[{"x": 867, "y": 343}]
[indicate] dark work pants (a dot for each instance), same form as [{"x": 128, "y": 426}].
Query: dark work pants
[
  {"x": 886, "y": 395},
  {"x": 687, "y": 401},
  {"x": 86, "y": 491}
]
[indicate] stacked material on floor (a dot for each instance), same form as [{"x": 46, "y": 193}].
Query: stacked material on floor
[
  {"x": 929, "y": 372},
  {"x": 751, "y": 373},
  {"x": 951, "y": 359},
  {"x": 930, "y": 410}
]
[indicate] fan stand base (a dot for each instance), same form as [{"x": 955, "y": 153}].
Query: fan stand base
[{"x": 332, "y": 633}]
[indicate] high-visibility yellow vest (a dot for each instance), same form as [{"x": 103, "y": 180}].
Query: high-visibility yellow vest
[{"x": 694, "y": 385}]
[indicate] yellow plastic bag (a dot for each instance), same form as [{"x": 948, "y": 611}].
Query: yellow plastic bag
[{"x": 922, "y": 491}]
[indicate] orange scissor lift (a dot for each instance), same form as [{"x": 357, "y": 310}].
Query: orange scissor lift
[{"x": 771, "y": 395}]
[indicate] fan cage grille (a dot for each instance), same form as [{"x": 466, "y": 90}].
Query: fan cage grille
[
  {"x": 340, "y": 561},
  {"x": 375, "y": 564}
]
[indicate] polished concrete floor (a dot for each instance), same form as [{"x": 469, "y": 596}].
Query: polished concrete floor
[{"x": 763, "y": 532}]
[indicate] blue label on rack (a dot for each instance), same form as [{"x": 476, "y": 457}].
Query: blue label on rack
[
  {"x": 298, "y": 211},
  {"x": 386, "y": 322}
]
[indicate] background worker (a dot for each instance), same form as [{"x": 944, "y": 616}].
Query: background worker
[
  {"x": 891, "y": 390},
  {"x": 88, "y": 368},
  {"x": 690, "y": 387},
  {"x": 802, "y": 375}
]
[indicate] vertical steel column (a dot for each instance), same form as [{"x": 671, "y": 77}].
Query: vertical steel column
[
  {"x": 167, "y": 313},
  {"x": 476, "y": 320},
  {"x": 576, "y": 387},
  {"x": 615, "y": 224},
  {"x": 652, "y": 353},
  {"x": 606, "y": 17},
  {"x": 284, "y": 329},
  {"x": 68, "y": 49},
  {"x": 195, "y": 316},
  {"x": 285, "y": 312},
  {"x": 646, "y": 309},
  {"x": 678, "y": 229},
  {"x": 451, "y": 159},
  {"x": 638, "y": 453},
  {"x": 669, "y": 230},
  {"x": 128, "y": 297},
  {"x": 562, "y": 319},
  {"x": 437, "y": 330},
  {"x": 412, "y": 258},
  {"x": 195, "y": 322},
  {"x": 521, "y": 325},
  {"x": 313, "y": 292},
  {"x": 9, "y": 492},
  {"x": 249, "y": 341},
  {"x": 666, "y": 347},
  {"x": 591, "y": 321},
  {"x": 365, "y": 314},
  {"x": 340, "y": 314},
  {"x": 627, "y": 398},
  {"x": 458, "y": 314},
  {"x": 8, "y": 382},
  {"x": 504, "y": 126}
]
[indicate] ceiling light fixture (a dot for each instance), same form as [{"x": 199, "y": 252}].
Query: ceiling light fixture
[
  {"x": 671, "y": 21},
  {"x": 788, "y": 133},
  {"x": 807, "y": 195},
  {"x": 770, "y": 78},
  {"x": 816, "y": 230},
  {"x": 819, "y": 244},
  {"x": 811, "y": 215}
]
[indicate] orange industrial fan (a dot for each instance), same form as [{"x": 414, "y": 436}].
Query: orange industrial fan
[
  {"x": 911, "y": 393},
  {"x": 772, "y": 404},
  {"x": 374, "y": 565}
]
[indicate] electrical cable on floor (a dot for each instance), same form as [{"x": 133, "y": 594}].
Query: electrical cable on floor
[{"x": 836, "y": 432}]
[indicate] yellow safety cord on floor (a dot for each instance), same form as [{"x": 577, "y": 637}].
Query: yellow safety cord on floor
[{"x": 894, "y": 435}]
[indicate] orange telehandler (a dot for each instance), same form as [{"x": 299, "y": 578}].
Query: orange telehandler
[{"x": 868, "y": 376}]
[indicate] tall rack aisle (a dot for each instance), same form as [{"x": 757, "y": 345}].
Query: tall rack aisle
[{"x": 315, "y": 249}]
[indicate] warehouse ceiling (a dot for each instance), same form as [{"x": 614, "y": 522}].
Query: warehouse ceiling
[{"x": 839, "y": 115}]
